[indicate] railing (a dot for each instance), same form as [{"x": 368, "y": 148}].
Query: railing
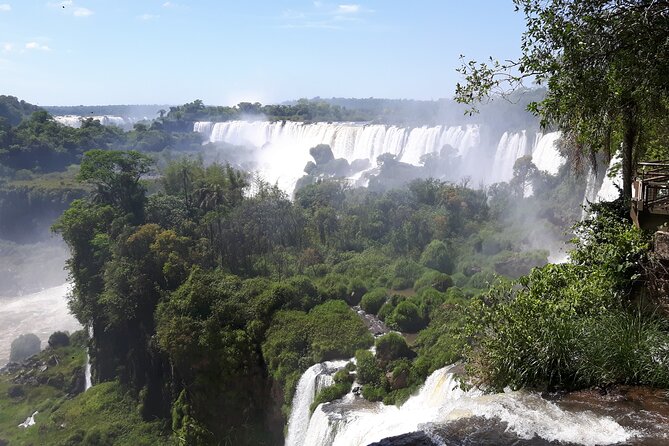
[{"x": 650, "y": 191}]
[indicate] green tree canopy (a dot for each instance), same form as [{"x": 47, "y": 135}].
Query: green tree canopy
[{"x": 605, "y": 64}]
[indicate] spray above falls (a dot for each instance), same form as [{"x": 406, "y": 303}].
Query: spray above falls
[{"x": 281, "y": 149}]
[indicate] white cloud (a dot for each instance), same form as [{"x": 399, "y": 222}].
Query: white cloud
[
  {"x": 7, "y": 47},
  {"x": 348, "y": 9},
  {"x": 169, "y": 5},
  {"x": 326, "y": 16},
  {"x": 5, "y": 7},
  {"x": 37, "y": 46},
  {"x": 82, "y": 12},
  {"x": 147, "y": 17}
]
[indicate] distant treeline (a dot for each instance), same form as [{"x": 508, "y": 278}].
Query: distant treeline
[{"x": 149, "y": 111}]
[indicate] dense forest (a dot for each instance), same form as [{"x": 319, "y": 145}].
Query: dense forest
[{"x": 208, "y": 292}]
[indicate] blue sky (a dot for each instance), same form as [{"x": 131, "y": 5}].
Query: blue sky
[{"x": 157, "y": 51}]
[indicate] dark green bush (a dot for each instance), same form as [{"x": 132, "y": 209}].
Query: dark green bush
[
  {"x": 392, "y": 346},
  {"x": 435, "y": 279},
  {"x": 436, "y": 255},
  {"x": 373, "y": 300},
  {"x": 406, "y": 317},
  {"x": 367, "y": 369}
]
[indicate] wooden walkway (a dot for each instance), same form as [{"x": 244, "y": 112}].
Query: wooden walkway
[{"x": 650, "y": 195}]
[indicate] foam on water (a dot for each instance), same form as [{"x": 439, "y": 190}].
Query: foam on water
[
  {"x": 441, "y": 400},
  {"x": 40, "y": 313}
]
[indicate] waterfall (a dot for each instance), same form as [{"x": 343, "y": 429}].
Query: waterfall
[
  {"x": 353, "y": 421},
  {"x": 546, "y": 155},
  {"x": 87, "y": 371},
  {"x": 75, "y": 120},
  {"x": 281, "y": 149},
  {"x": 510, "y": 147},
  {"x": 600, "y": 187},
  {"x": 609, "y": 189},
  {"x": 30, "y": 421},
  {"x": 311, "y": 382}
]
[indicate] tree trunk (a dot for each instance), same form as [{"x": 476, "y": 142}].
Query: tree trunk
[{"x": 630, "y": 134}]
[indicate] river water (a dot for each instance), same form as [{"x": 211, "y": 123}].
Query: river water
[{"x": 40, "y": 313}]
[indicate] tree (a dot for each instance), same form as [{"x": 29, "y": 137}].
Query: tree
[
  {"x": 604, "y": 63},
  {"x": 115, "y": 176}
]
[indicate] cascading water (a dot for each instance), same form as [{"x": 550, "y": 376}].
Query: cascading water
[
  {"x": 546, "y": 155},
  {"x": 354, "y": 421},
  {"x": 87, "y": 371},
  {"x": 311, "y": 382},
  {"x": 75, "y": 120},
  {"x": 281, "y": 149},
  {"x": 511, "y": 147}
]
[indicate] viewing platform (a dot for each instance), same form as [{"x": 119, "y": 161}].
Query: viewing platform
[{"x": 650, "y": 195}]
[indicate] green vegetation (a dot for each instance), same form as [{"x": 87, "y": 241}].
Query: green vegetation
[
  {"x": 205, "y": 299},
  {"x": 582, "y": 323},
  {"x": 604, "y": 63},
  {"x": 343, "y": 380},
  {"x": 52, "y": 383}
]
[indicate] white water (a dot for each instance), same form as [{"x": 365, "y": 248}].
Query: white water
[
  {"x": 282, "y": 148},
  {"x": 440, "y": 400},
  {"x": 611, "y": 184},
  {"x": 40, "y": 313},
  {"x": 30, "y": 421},
  {"x": 311, "y": 382},
  {"x": 87, "y": 373},
  {"x": 599, "y": 189},
  {"x": 546, "y": 155},
  {"x": 75, "y": 120},
  {"x": 87, "y": 370}
]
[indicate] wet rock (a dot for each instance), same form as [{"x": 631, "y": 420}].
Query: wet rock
[
  {"x": 661, "y": 244},
  {"x": 411, "y": 439},
  {"x": 398, "y": 380},
  {"x": 77, "y": 383},
  {"x": 57, "y": 381}
]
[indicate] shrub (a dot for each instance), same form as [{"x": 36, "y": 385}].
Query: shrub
[
  {"x": 373, "y": 393},
  {"x": 436, "y": 256},
  {"x": 392, "y": 346},
  {"x": 406, "y": 317},
  {"x": 330, "y": 393},
  {"x": 59, "y": 339},
  {"x": 372, "y": 301},
  {"x": 405, "y": 273},
  {"x": 434, "y": 279},
  {"x": 368, "y": 371}
]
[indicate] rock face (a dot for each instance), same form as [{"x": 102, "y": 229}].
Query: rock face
[
  {"x": 661, "y": 244},
  {"x": 412, "y": 439},
  {"x": 24, "y": 347}
]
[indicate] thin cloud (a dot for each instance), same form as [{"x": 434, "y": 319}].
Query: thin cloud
[
  {"x": 82, "y": 12},
  {"x": 5, "y": 7},
  {"x": 7, "y": 47},
  {"x": 37, "y": 46},
  {"x": 348, "y": 9},
  {"x": 169, "y": 5},
  {"x": 324, "y": 16},
  {"x": 147, "y": 17}
]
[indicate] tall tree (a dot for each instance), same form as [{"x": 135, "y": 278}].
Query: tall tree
[{"x": 605, "y": 63}]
